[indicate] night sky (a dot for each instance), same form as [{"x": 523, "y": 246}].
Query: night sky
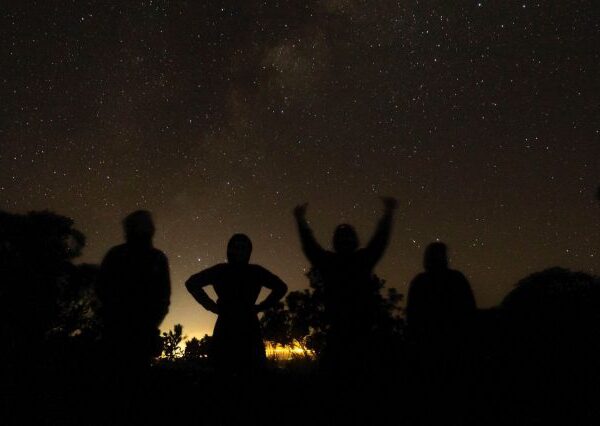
[{"x": 482, "y": 118}]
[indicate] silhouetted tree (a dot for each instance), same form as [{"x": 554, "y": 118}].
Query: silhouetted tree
[
  {"x": 171, "y": 343},
  {"x": 552, "y": 340},
  {"x": 556, "y": 308},
  {"x": 301, "y": 318},
  {"x": 276, "y": 324},
  {"x": 36, "y": 250},
  {"x": 78, "y": 304},
  {"x": 198, "y": 349}
]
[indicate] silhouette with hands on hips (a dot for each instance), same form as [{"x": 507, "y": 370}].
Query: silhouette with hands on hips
[{"x": 237, "y": 339}]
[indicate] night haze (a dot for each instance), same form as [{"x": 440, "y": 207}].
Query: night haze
[{"x": 481, "y": 118}]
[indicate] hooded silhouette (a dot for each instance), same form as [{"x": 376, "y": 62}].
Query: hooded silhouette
[
  {"x": 237, "y": 339},
  {"x": 440, "y": 308},
  {"x": 349, "y": 289},
  {"x": 134, "y": 289},
  {"x": 440, "y": 300}
]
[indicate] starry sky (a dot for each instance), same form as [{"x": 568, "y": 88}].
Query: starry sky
[{"x": 481, "y": 117}]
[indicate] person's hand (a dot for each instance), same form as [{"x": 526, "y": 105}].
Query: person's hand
[
  {"x": 390, "y": 203},
  {"x": 300, "y": 210}
]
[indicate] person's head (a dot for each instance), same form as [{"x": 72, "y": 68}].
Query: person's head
[
  {"x": 239, "y": 249},
  {"x": 345, "y": 239},
  {"x": 138, "y": 226},
  {"x": 436, "y": 257}
]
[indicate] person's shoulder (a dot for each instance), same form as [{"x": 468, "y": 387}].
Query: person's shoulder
[
  {"x": 419, "y": 278},
  {"x": 117, "y": 250},
  {"x": 360, "y": 251},
  {"x": 457, "y": 277},
  {"x": 115, "y": 257},
  {"x": 218, "y": 267},
  {"x": 258, "y": 269},
  {"x": 213, "y": 271},
  {"x": 456, "y": 274},
  {"x": 158, "y": 253}
]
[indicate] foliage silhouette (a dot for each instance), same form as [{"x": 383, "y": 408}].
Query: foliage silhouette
[
  {"x": 78, "y": 304},
  {"x": 551, "y": 324},
  {"x": 38, "y": 282},
  {"x": 171, "y": 343},
  {"x": 198, "y": 349},
  {"x": 301, "y": 319}
]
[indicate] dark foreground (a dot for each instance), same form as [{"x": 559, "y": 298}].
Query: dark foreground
[{"x": 189, "y": 393}]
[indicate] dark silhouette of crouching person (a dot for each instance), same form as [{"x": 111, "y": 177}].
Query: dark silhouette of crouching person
[
  {"x": 238, "y": 347},
  {"x": 134, "y": 290}
]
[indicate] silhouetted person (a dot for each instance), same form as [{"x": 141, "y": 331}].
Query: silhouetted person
[
  {"x": 134, "y": 289},
  {"x": 237, "y": 339},
  {"x": 439, "y": 313},
  {"x": 350, "y": 291},
  {"x": 440, "y": 300}
]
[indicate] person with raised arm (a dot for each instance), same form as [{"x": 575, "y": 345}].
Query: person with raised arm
[{"x": 350, "y": 290}]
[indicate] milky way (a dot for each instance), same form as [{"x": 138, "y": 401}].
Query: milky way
[{"x": 482, "y": 118}]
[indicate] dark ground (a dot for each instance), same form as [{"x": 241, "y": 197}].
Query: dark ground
[{"x": 190, "y": 393}]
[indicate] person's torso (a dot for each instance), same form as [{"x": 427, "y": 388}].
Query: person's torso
[
  {"x": 442, "y": 296},
  {"x": 350, "y": 289},
  {"x": 138, "y": 278},
  {"x": 349, "y": 271},
  {"x": 237, "y": 288}
]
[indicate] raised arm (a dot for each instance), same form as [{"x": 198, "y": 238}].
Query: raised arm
[
  {"x": 195, "y": 285},
  {"x": 311, "y": 248},
  {"x": 276, "y": 285},
  {"x": 381, "y": 237}
]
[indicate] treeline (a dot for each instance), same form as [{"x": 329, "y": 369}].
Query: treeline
[
  {"x": 533, "y": 359},
  {"x": 46, "y": 300}
]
